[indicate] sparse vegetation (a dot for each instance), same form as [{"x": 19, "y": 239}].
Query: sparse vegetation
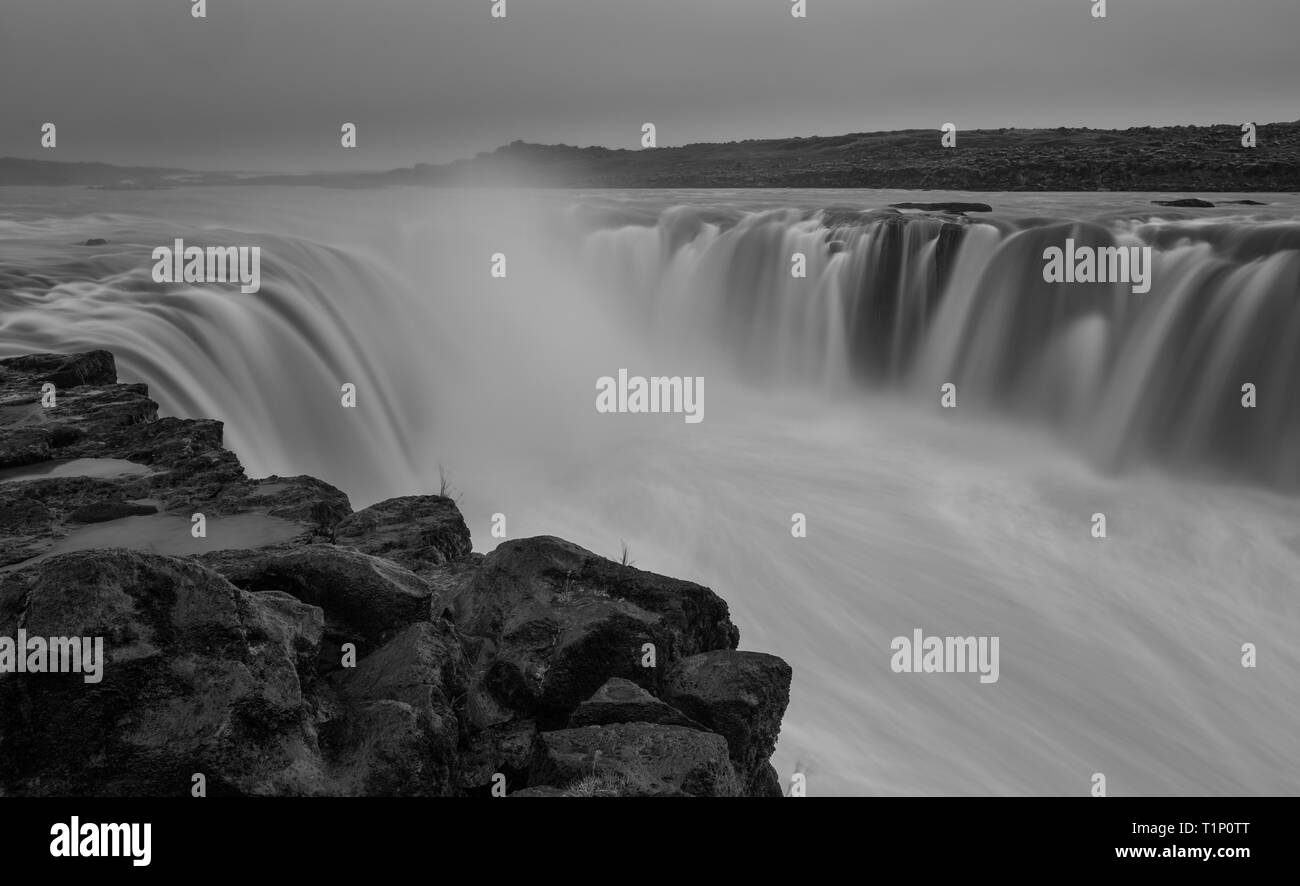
[
  {"x": 601, "y": 784},
  {"x": 445, "y": 489}
]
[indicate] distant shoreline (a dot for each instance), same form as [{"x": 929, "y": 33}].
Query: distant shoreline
[{"x": 1197, "y": 159}]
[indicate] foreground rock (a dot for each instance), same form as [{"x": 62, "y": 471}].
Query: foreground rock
[
  {"x": 417, "y": 531},
  {"x": 366, "y": 597},
  {"x": 401, "y": 731},
  {"x": 298, "y": 648},
  {"x": 741, "y": 696},
  {"x": 198, "y": 677},
  {"x": 91, "y": 447},
  {"x": 622, "y": 701},
  {"x": 635, "y": 759},
  {"x": 546, "y": 623}
]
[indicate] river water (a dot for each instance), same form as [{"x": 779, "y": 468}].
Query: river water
[{"x": 1119, "y": 656}]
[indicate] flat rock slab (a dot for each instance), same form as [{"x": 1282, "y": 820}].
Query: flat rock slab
[
  {"x": 66, "y": 370},
  {"x": 97, "y": 429}
]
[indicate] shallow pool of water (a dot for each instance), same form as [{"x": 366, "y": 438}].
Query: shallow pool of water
[{"x": 100, "y": 468}]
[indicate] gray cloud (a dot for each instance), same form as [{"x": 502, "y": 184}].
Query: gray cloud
[{"x": 265, "y": 84}]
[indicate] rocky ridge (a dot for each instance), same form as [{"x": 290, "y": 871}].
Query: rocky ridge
[
  {"x": 302, "y": 648},
  {"x": 1141, "y": 158}
]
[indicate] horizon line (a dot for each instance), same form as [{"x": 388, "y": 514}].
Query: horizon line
[{"x": 635, "y": 150}]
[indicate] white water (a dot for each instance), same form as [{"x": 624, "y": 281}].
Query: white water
[{"x": 1118, "y": 656}]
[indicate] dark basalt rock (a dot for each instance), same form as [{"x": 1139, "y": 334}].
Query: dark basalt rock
[
  {"x": 96, "y": 241},
  {"x": 542, "y": 791},
  {"x": 1190, "y": 202},
  {"x": 400, "y": 733},
  {"x": 102, "y": 511},
  {"x": 363, "y": 597},
  {"x": 368, "y": 653},
  {"x": 505, "y": 748},
  {"x": 546, "y": 623},
  {"x": 417, "y": 531},
  {"x": 24, "y": 446},
  {"x": 65, "y": 370},
  {"x": 634, "y": 759},
  {"x": 622, "y": 701},
  {"x": 183, "y": 467},
  {"x": 945, "y": 207},
  {"x": 847, "y": 216},
  {"x": 741, "y": 696},
  {"x": 198, "y": 677}
]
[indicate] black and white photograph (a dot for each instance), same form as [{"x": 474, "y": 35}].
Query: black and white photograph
[{"x": 418, "y": 399}]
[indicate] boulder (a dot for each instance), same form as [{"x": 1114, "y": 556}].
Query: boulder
[
  {"x": 417, "y": 531},
  {"x": 633, "y": 759},
  {"x": 365, "y": 598},
  {"x": 742, "y": 696},
  {"x": 298, "y": 627},
  {"x": 622, "y": 701},
  {"x": 198, "y": 677},
  {"x": 317, "y": 505},
  {"x": 400, "y": 733},
  {"x": 548, "y": 622},
  {"x": 505, "y": 747}
]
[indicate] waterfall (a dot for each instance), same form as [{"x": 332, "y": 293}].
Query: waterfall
[
  {"x": 388, "y": 292},
  {"x": 912, "y": 303},
  {"x": 270, "y": 366},
  {"x": 823, "y": 399},
  {"x": 888, "y": 302}
]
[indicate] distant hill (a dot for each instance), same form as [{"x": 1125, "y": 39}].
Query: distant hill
[
  {"x": 1172, "y": 158},
  {"x": 14, "y": 171}
]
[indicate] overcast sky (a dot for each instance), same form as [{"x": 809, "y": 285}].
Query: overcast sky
[{"x": 265, "y": 84}]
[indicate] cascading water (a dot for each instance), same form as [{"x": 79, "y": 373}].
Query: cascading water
[
  {"x": 270, "y": 363},
  {"x": 917, "y": 303},
  {"x": 822, "y": 398}
]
